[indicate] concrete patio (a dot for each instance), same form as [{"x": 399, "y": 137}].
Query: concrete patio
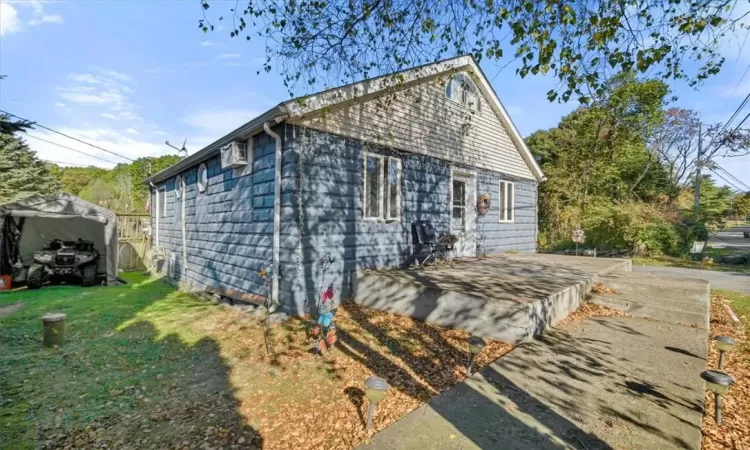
[{"x": 506, "y": 297}]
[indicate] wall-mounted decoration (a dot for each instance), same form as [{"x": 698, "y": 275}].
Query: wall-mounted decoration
[{"x": 483, "y": 204}]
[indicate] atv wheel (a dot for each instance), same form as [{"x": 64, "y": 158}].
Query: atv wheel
[
  {"x": 89, "y": 275},
  {"x": 35, "y": 276}
]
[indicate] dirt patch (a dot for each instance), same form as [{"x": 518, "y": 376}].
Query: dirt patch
[
  {"x": 588, "y": 309},
  {"x": 734, "y": 431},
  {"x": 10, "y": 309}
]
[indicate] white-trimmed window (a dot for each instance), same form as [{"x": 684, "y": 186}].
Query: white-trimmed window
[
  {"x": 462, "y": 90},
  {"x": 202, "y": 178},
  {"x": 507, "y": 201},
  {"x": 161, "y": 202},
  {"x": 382, "y": 187}
]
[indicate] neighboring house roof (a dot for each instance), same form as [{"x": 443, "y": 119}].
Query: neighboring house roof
[{"x": 299, "y": 107}]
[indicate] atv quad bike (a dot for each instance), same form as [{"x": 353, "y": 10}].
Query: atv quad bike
[{"x": 64, "y": 258}]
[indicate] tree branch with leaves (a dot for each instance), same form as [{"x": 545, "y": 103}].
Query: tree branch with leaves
[{"x": 582, "y": 43}]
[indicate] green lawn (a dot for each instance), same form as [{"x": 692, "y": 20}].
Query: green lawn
[
  {"x": 146, "y": 366},
  {"x": 113, "y": 363}
]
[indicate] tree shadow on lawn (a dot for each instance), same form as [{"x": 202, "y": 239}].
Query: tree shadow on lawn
[{"x": 117, "y": 381}]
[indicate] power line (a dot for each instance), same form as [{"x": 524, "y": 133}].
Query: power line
[
  {"x": 726, "y": 172},
  {"x": 63, "y": 162},
  {"x": 67, "y": 136},
  {"x": 727, "y": 181},
  {"x": 68, "y": 148}
]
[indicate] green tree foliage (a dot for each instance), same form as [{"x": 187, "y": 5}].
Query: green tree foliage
[
  {"x": 597, "y": 158},
  {"x": 74, "y": 179},
  {"x": 580, "y": 42},
  {"x": 22, "y": 174},
  {"x": 120, "y": 189}
]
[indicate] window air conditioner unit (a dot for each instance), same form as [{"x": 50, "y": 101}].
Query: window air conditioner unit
[{"x": 234, "y": 155}]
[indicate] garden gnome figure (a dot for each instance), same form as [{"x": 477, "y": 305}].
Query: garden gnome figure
[{"x": 54, "y": 329}]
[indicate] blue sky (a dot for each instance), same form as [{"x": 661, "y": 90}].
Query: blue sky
[{"x": 130, "y": 75}]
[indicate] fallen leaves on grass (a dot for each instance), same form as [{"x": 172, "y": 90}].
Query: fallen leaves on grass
[
  {"x": 419, "y": 361},
  {"x": 237, "y": 396},
  {"x": 734, "y": 432},
  {"x": 588, "y": 309}
]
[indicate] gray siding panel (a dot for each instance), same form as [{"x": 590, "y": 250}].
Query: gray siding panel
[
  {"x": 325, "y": 214},
  {"x": 229, "y": 226}
]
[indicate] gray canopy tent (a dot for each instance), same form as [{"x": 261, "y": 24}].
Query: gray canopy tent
[{"x": 27, "y": 225}]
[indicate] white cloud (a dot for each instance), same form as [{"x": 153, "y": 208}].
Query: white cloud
[
  {"x": 9, "y": 20},
  {"x": 14, "y": 14},
  {"x": 46, "y": 18},
  {"x": 102, "y": 88},
  {"x": 60, "y": 104},
  {"x": 107, "y": 138},
  {"x": 207, "y": 43},
  {"x": 218, "y": 122},
  {"x": 229, "y": 55},
  {"x": 132, "y": 131}
]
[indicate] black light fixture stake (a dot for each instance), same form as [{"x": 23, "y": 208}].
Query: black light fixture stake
[
  {"x": 376, "y": 390},
  {"x": 476, "y": 344},
  {"x": 723, "y": 345},
  {"x": 717, "y": 382}
]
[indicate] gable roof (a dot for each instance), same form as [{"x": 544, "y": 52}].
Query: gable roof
[{"x": 301, "y": 106}]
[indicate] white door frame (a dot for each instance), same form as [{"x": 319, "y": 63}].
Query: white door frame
[{"x": 467, "y": 238}]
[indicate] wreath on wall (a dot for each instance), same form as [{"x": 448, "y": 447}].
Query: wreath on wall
[{"x": 483, "y": 204}]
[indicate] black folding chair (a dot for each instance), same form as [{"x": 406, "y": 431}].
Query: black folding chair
[{"x": 424, "y": 235}]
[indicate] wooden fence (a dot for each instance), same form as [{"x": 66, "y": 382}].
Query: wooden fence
[{"x": 134, "y": 241}]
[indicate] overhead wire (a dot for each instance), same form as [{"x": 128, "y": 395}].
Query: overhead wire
[
  {"x": 67, "y": 135},
  {"x": 63, "y": 162},
  {"x": 69, "y": 148}
]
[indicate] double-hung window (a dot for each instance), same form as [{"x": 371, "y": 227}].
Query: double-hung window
[
  {"x": 507, "y": 203},
  {"x": 382, "y": 187}
]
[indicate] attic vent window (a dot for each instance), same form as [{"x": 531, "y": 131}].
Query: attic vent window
[{"x": 462, "y": 90}]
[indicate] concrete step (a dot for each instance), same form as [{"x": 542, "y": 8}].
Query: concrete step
[{"x": 674, "y": 300}]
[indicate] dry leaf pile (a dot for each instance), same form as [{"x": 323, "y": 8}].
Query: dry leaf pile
[
  {"x": 734, "y": 432},
  {"x": 588, "y": 309}
]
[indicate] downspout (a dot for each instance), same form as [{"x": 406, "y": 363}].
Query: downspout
[
  {"x": 184, "y": 232},
  {"x": 276, "y": 214},
  {"x": 155, "y": 214}
]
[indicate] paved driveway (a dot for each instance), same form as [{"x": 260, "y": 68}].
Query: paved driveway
[{"x": 733, "y": 281}]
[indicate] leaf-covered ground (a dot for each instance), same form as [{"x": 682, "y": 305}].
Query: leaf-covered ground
[
  {"x": 145, "y": 366},
  {"x": 734, "y": 432}
]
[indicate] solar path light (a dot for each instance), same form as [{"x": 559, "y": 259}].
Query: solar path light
[
  {"x": 723, "y": 345},
  {"x": 476, "y": 344},
  {"x": 376, "y": 390},
  {"x": 717, "y": 382}
]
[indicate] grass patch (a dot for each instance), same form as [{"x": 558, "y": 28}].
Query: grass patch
[{"x": 145, "y": 366}]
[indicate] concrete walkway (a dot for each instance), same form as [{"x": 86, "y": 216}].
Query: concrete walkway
[
  {"x": 732, "y": 281},
  {"x": 600, "y": 383}
]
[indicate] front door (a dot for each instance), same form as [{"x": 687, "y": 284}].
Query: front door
[{"x": 463, "y": 212}]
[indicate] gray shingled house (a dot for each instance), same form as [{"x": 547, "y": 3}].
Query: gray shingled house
[{"x": 346, "y": 172}]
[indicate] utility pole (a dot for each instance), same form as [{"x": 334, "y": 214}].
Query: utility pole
[{"x": 698, "y": 167}]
